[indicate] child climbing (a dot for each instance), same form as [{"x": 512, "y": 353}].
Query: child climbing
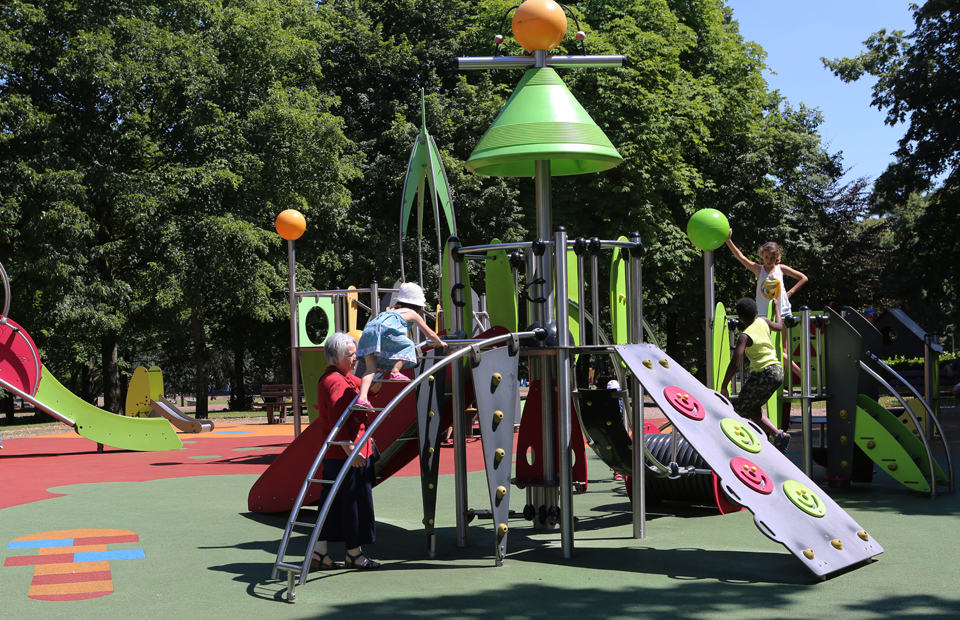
[
  {"x": 384, "y": 344},
  {"x": 766, "y": 373},
  {"x": 770, "y": 269}
]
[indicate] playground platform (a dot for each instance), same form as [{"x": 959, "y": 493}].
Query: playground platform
[{"x": 168, "y": 536}]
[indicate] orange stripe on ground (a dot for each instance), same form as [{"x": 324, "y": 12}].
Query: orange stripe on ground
[
  {"x": 73, "y": 567},
  {"x": 72, "y": 588},
  {"x": 98, "y": 576},
  {"x": 70, "y": 597},
  {"x": 73, "y": 549}
]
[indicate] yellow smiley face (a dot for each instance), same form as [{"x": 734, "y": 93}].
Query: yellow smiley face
[
  {"x": 737, "y": 431},
  {"x": 804, "y": 499}
]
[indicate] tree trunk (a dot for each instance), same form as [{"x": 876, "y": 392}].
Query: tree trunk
[
  {"x": 86, "y": 381},
  {"x": 201, "y": 383},
  {"x": 7, "y": 406},
  {"x": 111, "y": 372},
  {"x": 238, "y": 391}
]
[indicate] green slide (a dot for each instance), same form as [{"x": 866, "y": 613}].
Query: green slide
[
  {"x": 891, "y": 445},
  {"x": 140, "y": 434}
]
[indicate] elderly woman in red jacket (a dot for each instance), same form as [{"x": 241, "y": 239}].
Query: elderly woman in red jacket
[{"x": 351, "y": 517}]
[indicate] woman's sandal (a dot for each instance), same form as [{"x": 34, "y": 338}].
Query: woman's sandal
[
  {"x": 351, "y": 562},
  {"x": 317, "y": 563},
  {"x": 396, "y": 376}
]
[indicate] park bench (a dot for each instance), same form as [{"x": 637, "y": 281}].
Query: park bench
[{"x": 276, "y": 397}]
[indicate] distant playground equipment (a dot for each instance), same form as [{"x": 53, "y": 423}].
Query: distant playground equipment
[
  {"x": 543, "y": 132},
  {"x": 24, "y": 375},
  {"x": 145, "y": 399},
  {"x": 835, "y": 352}
]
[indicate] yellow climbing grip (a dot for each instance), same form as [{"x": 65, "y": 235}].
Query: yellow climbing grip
[
  {"x": 501, "y": 492},
  {"x": 497, "y": 417},
  {"x": 863, "y": 535},
  {"x": 837, "y": 544},
  {"x": 648, "y": 364},
  {"x": 502, "y": 529},
  {"x": 431, "y": 378},
  {"x": 499, "y": 454},
  {"x": 665, "y": 363},
  {"x": 430, "y": 450},
  {"x": 496, "y": 378},
  {"x": 430, "y": 415},
  {"x": 808, "y": 553}
]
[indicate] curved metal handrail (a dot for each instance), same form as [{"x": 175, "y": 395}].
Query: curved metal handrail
[
  {"x": 470, "y": 347},
  {"x": 19, "y": 332},
  {"x": 906, "y": 407},
  {"x": 6, "y": 294},
  {"x": 926, "y": 405}
]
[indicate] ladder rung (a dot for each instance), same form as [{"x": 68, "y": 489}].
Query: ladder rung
[
  {"x": 286, "y": 566},
  {"x": 321, "y": 481},
  {"x": 303, "y": 523},
  {"x": 355, "y": 408},
  {"x": 340, "y": 443}
]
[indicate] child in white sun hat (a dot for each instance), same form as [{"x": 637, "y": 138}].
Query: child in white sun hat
[{"x": 384, "y": 344}]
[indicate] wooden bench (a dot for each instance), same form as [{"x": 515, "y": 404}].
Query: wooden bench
[{"x": 276, "y": 397}]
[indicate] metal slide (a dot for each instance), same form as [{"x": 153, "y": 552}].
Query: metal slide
[
  {"x": 188, "y": 424},
  {"x": 788, "y": 507}
]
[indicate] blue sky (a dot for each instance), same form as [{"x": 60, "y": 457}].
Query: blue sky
[{"x": 795, "y": 35}]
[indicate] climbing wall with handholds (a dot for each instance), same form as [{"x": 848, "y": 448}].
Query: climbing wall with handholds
[
  {"x": 787, "y": 506},
  {"x": 430, "y": 403},
  {"x": 496, "y": 390}
]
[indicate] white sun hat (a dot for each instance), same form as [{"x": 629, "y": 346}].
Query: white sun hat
[{"x": 411, "y": 293}]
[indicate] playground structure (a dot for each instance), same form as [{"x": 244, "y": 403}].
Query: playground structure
[
  {"x": 543, "y": 132},
  {"x": 23, "y": 374},
  {"x": 835, "y": 352}
]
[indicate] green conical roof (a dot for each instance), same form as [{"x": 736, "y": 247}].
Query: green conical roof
[{"x": 543, "y": 121}]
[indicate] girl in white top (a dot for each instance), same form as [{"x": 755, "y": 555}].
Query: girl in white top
[{"x": 770, "y": 269}]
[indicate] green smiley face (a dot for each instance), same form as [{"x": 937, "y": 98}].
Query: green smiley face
[
  {"x": 804, "y": 499},
  {"x": 740, "y": 433}
]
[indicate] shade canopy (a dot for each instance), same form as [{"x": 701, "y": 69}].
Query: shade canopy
[{"x": 543, "y": 121}]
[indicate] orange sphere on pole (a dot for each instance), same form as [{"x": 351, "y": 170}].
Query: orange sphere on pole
[
  {"x": 539, "y": 25},
  {"x": 291, "y": 224}
]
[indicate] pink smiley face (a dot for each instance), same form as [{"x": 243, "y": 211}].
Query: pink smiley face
[
  {"x": 683, "y": 402},
  {"x": 751, "y": 475}
]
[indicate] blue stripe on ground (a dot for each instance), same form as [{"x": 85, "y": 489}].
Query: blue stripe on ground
[{"x": 117, "y": 554}]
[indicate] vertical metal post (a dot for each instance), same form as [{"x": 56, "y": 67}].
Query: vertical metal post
[
  {"x": 458, "y": 405},
  {"x": 635, "y": 328},
  {"x": 564, "y": 395},
  {"x": 709, "y": 261},
  {"x": 374, "y": 299},
  {"x": 547, "y": 316},
  {"x": 339, "y": 324},
  {"x": 806, "y": 396},
  {"x": 294, "y": 335},
  {"x": 595, "y": 290},
  {"x": 581, "y": 302},
  {"x": 929, "y": 373}
]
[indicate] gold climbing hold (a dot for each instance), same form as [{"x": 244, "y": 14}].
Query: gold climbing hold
[
  {"x": 431, "y": 378},
  {"x": 863, "y": 535},
  {"x": 501, "y": 492},
  {"x": 844, "y": 464},
  {"x": 497, "y": 417},
  {"x": 665, "y": 363},
  {"x": 871, "y": 445},
  {"x": 497, "y": 378},
  {"x": 843, "y": 414},
  {"x": 502, "y": 529},
  {"x": 609, "y": 447},
  {"x": 808, "y": 553},
  {"x": 499, "y": 454},
  {"x": 430, "y": 486},
  {"x": 892, "y": 467},
  {"x": 589, "y": 403},
  {"x": 648, "y": 364},
  {"x": 609, "y": 422},
  {"x": 430, "y": 450},
  {"x": 430, "y": 415},
  {"x": 431, "y": 521},
  {"x": 843, "y": 440},
  {"x": 837, "y": 544}
]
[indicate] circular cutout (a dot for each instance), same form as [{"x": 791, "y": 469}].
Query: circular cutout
[
  {"x": 317, "y": 325},
  {"x": 741, "y": 434},
  {"x": 751, "y": 475},
  {"x": 683, "y": 402},
  {"x": 531, "y": 456},
  {"x": 804, "y": 499},
  {"x": 19, "y": 358}
]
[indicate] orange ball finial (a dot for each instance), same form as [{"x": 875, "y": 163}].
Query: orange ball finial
[
  {"x": 539, "y": 25},
  {"x": 291, "y": 225}
]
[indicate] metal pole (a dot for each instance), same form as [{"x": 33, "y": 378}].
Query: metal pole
[
  {"x": 635, "y": 326},
  {"x": 709, "y": 260},
  {"x": 595, "y": 289},
  {"x": 458, "y": 405},
  {"x": 806, "y": 397},
  {"x": 564, "y": 394},
  {"x": 294, "y": 335},
  {"x": 929, "y": 373}
]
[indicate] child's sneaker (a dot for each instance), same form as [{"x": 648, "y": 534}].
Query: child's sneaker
[
  {"x": 782, "y": 441},
  {"x": 363, "y": 405},
  {"x": 396, "y": 376}
]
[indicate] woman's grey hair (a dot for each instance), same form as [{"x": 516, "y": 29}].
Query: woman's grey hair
[{"x": 335, "y": 348}]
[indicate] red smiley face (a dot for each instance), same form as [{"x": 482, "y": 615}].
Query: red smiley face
[
  {"x": 751, "y": 475},
  {"x": 684, "y": 402}
]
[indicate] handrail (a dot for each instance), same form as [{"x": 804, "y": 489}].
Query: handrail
[
  {"x": 926, "y": 405},
  {"x": 926, "y": 445},
  {"x": 473, "y": 348},
  {"x": 6, "y": 294}
]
